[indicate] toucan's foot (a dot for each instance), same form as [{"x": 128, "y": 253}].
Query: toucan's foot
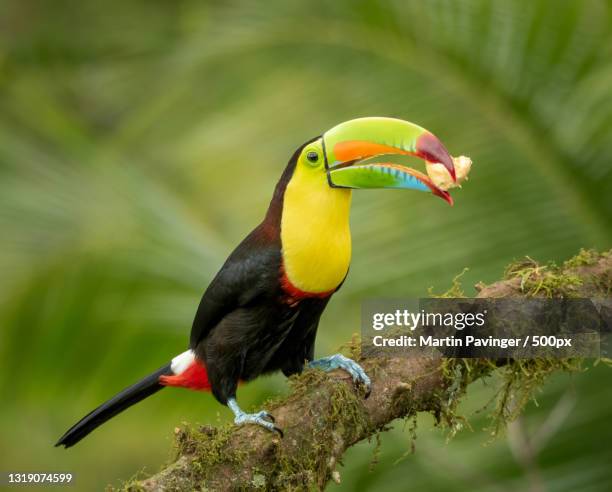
[
  {"x": 339, "y": 361},
  {"x": 262, "y": 418}
]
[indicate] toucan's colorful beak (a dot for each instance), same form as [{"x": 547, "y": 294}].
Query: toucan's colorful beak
[{"x": 356, "y": 151}]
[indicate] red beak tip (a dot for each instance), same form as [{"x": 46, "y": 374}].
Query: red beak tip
[
  {"x": 428, "y": 147},
  {"x": 445, "y": 195}
]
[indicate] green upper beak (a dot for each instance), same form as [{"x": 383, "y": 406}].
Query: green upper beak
[{"x": 348, "y": 144}]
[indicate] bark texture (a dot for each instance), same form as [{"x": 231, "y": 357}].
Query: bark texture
[{"x": 325, "y": 414}]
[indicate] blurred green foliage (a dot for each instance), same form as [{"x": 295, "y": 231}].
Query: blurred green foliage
[{"x": 140, "y": 141}]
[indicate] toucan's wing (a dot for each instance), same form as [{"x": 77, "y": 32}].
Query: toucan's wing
[{"x": 252, "y": 271}]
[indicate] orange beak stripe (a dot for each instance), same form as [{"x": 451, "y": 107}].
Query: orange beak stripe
[{"x": 359, "y": 149}]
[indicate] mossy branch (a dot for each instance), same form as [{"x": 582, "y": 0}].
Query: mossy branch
[{"x": 325, "y": 414}]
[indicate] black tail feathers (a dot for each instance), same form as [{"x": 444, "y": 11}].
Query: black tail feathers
[{"x": 128, "y": 397}]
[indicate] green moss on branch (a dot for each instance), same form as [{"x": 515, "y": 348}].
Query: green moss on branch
[{"x": 324, "y": 414}]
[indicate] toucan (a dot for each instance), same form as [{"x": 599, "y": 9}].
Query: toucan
[{"x": 261, "y": 311}]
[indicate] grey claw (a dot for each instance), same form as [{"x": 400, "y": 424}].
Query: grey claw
[
  {"x": 265, "y": 415},
  {"x": 259, "y": 419},
  {"x": 339, "y": 361},
  {"x": 262, "y": 418}
]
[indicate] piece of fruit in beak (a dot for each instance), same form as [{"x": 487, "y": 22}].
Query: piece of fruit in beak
[{"x": 440, "y": 176}]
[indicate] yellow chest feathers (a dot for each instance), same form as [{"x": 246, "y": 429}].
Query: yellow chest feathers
[{"x": 315, "y": 232}]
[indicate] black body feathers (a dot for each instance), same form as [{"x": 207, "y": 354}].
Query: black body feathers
[{"x": 245, "y": 324}]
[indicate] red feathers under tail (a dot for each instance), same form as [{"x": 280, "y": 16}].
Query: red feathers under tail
[{"x": 194, "y": 377}]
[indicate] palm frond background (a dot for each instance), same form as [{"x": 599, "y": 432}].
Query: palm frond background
[{"x": 140, "y": 142}]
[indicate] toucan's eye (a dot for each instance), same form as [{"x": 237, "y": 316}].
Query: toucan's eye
[{"x": 312, "y": 156}]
